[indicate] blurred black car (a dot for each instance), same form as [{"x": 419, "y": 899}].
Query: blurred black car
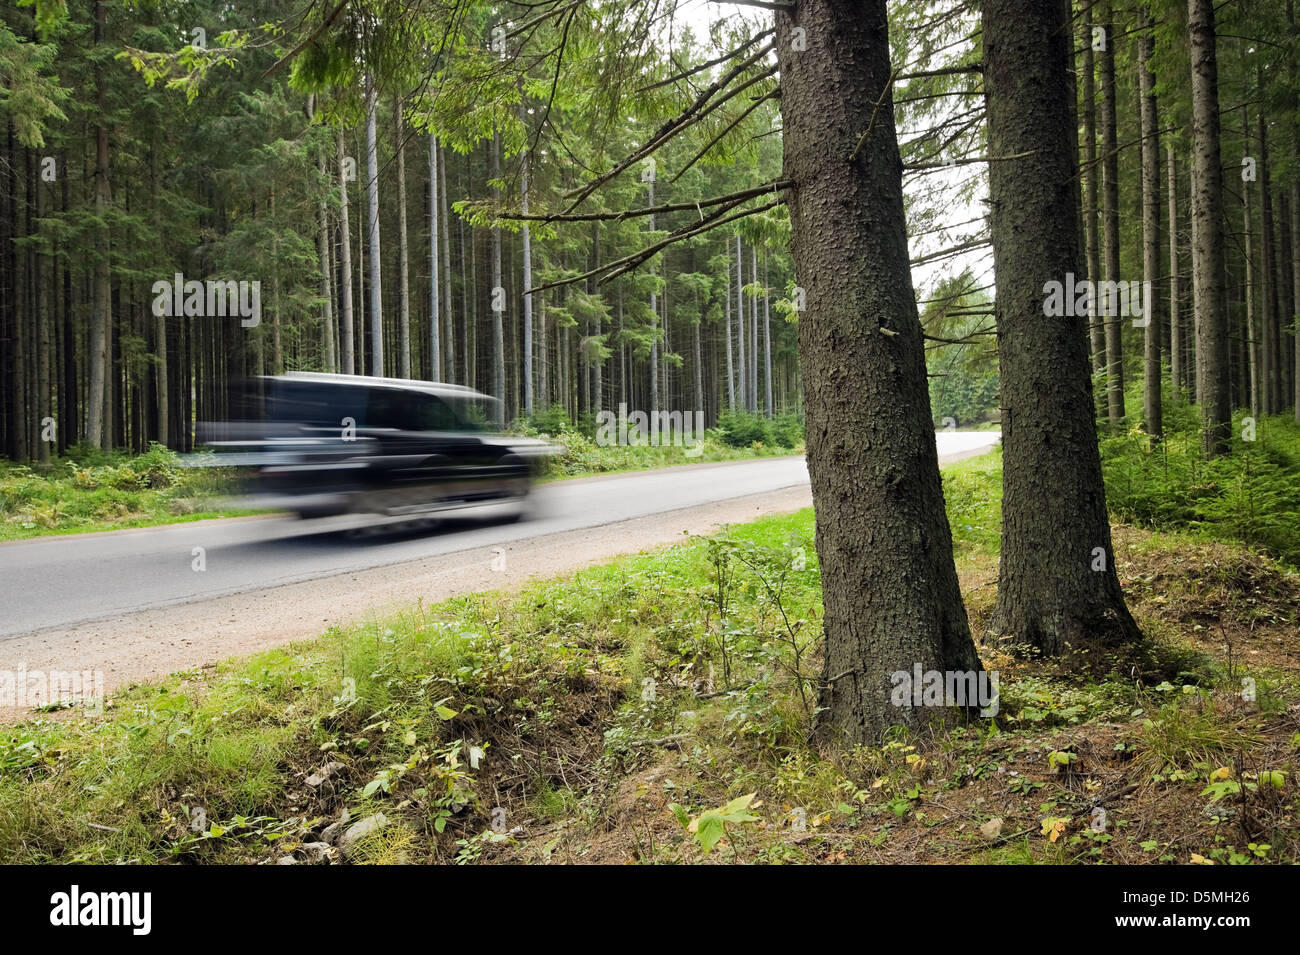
[{"x": 324, "y": 444}]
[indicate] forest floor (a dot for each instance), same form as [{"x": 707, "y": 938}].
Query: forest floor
[{"x": 657, "y": 709}]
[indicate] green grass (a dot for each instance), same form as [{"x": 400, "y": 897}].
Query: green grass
[
  {"x": 90, "y": 490},
  {"x": 972, "y": 491}
]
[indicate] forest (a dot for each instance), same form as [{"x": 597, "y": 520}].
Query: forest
[
  {"x": 841, "y": 230},
  {"x": 363, "y": 212}
]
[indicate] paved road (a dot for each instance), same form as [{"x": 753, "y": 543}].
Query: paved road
[{"x": 62, "y": 582}]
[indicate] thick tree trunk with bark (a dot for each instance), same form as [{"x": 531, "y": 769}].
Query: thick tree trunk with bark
[
  {"x": 1057, "y": 584},
  {"x": 1208, "y": 273},
  {"x": 890, "y": 589}
]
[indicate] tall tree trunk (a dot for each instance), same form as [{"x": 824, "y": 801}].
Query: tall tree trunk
[
  {"x": 323, "y": 256},
  {"x": 1295, "y": 228},
  {"x": 498, "y": 300},
  {"x": 9, "y": 335},
  {"x": 69, "y": 400},
  {"x": 1194, "y": 343},
  {"x": 623, "y": 384},
  {"x": 742, "y": 369},
  {"x": 1092, "y": 246},
  {"x": 347, "y": 341},
  {"x": 372, "y": 228},
  {"x": 1293, "y": 75},
  {"x": 1285, "y": 301},
  {"x": 277, "y": 350},
  {"x": 543, "y": 376},
  {"x": 698, "y": 403},
  {"x": 42, "y": 407},
  {"x": 753, "y": 331},
  {"x": 435, "y": 313},
  {"x": 1177, "y": 369},
  {"x": 726, "y": 324},
  {"x": 1269, "y": 326},
  {"x": 667, "y": 349},
  {"x": 767, "y": 344},
  {"x": 1151, "y": 409},
  {"x": 1295, "y": 280},
  {"x": 403, "y": 253},
  {"x": 890, "y": 590},
  {"x": 1110, "y": 222},
  {"x": 469, "y": 313},
  {"x": 100, "y": 310},
  {"x": 1208, "y": 276},
  {"x": 1250, "y": 340},
  {"x": 1057, "y": 584},
  {"x": 526, "y": 239},
  {"x": 597, "y": 393},
  {"x": 654, "y": 317},
  {"x": 363, "y": 220},
  {"x": 450, "y": 361}
]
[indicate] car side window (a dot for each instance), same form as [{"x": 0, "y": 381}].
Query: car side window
[
  {"x": 433, "y": 415},
  {"x": 317, "y": 404},
  {"x": 383, "y": 410},
  {"x": 410, "y": 411}
]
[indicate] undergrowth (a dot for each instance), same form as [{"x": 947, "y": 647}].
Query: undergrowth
[
  {"x": 87, "y": 489},
  {"x": 1251, "y": 495}
]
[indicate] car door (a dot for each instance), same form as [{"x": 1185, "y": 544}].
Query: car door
[{"x": 428, "y": 460}]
